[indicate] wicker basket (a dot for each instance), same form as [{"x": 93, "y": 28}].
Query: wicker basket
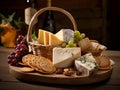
[{"x": 39, "y": 49}]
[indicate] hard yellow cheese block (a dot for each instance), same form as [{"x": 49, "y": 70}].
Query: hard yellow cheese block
[
  {"x": 48, "y": 38},
  {"x": 41, "y": 36},
  {"x": 53, "y": 40}
]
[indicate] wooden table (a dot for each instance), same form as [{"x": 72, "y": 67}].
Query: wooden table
[{"x": 8, "y": 82}]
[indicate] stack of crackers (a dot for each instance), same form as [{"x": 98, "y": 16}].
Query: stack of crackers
[{"x": 38, "y": 63}]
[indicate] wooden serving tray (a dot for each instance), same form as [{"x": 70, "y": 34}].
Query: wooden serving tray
[{"x": 59, "y": 78}]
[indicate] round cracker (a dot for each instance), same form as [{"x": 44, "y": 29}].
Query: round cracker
[
  {"x": 26, "y": 69},
  {"x": 47, "y": 65},
  {"x": 27, "y": 59},
  {"x": 104, "y": 62},
  {"x": 97, "y": 60},
  {"x": 22, "y": 64}
]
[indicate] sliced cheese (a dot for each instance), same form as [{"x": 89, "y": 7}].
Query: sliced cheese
[
  {"x": 65, "y": 35},
  {"x": 41, "y": 36},
  {"x": 53, "y": 40},
  {"x": 64, "y": 57},
  {"x": 46, "y": 38},
  {"x": 86, "y": 64}
]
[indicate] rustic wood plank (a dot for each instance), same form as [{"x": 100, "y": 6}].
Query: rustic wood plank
[
  {"x": 81, "y": 13},
  {"x": 4, "y": 71},
  {"x": 59, "y": 78},
  {"x": 114, "y": 54},
  {"x": 8, "y": 82},
  {"x": 81, "y": 23},
  {"x": 93, "y": 34},
  {"x": 6, "y": 50},
  {"x": 76, "y": 3},
  {"x": 104, "y": 24},
  {"x": 89, "y": 23},
  {"x": 86, "y": 13},
  {"x": 39, "y": 86}
]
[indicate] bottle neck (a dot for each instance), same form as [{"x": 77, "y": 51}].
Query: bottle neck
[
  {"x": 49, "y": 22},
  {"x": 49, "y": 4},
  {"x": 49, "y": 14},
  {"x": 30, "y": 10},
  {"x": 32, "y": 3}
]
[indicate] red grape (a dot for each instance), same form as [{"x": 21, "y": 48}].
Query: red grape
[
  {"x": 19, "y": 39},
  {"x": 17, "y": 56},
  {"x": 24, "y": 42},
  {"x": 18, "y": 51},
  {"x": 23, "y": 46},
  {"x": 21, "y": 49}
]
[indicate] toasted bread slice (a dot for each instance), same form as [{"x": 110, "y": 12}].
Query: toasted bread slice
[
  {"x": 84, "y": 44},
  {"x": 103, "y": 62}
]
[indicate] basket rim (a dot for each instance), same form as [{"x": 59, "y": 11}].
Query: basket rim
[
  {"x": 38, "y": 44},
  {"x": 34, "y": 19}
]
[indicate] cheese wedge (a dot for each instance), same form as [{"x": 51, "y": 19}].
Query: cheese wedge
[
  {"x": 86, "y": 64},
  {"x": 64, "y": 57},
  {"x": 46, "y": 38},
  {"x": 41, "y": 36},
  {"x": 65, "y": 35},
  {"x": 53, "y": 40}
]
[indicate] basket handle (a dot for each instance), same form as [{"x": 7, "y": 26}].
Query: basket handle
[{"x": 34, "y": 19}]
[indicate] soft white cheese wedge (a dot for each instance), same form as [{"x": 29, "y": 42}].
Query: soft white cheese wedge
[
  {"x": 86, "y": 64},
  {"x": 64, "y": 57},
  {"x": 65, "y": 35}
]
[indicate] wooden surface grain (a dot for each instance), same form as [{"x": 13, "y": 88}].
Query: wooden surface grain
[
  {"x": 8, "y": 82},
  {"x": 59, "y": 78}
]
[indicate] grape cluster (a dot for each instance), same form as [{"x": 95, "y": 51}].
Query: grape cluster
[
  {"x": 73, "y": 43},
  {"x": 21, "y": 49},
  {"x": 69, "y": 44},
  {"x": 78, "y": 36}
]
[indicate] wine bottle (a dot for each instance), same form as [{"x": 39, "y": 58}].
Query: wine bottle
[
  {"x": 49, "y": 22},
  {"x": 30, "y": 10}
]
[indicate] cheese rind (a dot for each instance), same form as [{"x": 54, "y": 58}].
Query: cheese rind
[
  {"x": 65, "y": 35},
  {"x": 64, "y": 57},
  {"x": 86, "y": 64}
]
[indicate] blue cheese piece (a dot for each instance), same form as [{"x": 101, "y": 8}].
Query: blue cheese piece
[
  {"x": 86, "y": 64},
  {"x": 64, "y": 57},
  {"x": 65, "y": 35}
]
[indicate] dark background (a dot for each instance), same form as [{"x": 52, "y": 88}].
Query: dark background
[
  {"x": 113, "y": 24},
  {"x": 98, "y": 19}
]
